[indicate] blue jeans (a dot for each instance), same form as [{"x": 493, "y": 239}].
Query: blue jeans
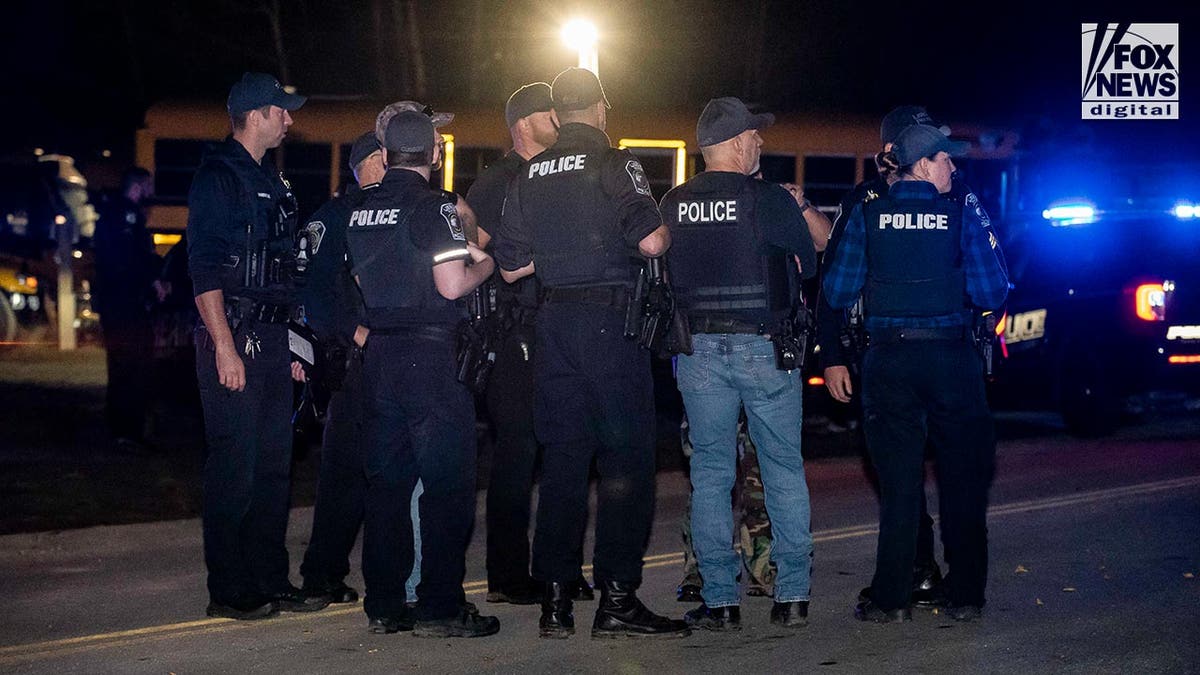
[
  {"x": 414, "y": 579},
  {"x": 723, "y": 373}
]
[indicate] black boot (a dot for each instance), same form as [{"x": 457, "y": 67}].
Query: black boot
[
  {"x": 558, "y": 620},
  {"x": 928, "y": 587},
  {"x": 621, "y": 614},
  {"x": 583, "y": 590}
]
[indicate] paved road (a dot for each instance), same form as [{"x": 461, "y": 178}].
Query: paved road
[{"x": 1095, "y": 554}]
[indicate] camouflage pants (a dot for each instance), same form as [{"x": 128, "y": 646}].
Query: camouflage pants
[{"x": 755, "y": 530}]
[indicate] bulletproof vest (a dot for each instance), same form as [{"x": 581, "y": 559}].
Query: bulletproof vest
[
  {"x": 395, "y": 277},
  {"x": 719, "y": 266},
  {"x": 576, "y": 233},
  {"x": 914, "y": 259},
  {"x": 262, "y": 256}
]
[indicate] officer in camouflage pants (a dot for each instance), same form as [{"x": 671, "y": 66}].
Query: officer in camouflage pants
[{"x": 755, "y": 528}]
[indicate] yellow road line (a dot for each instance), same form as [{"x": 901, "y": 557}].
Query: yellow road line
[{"x": 33, "y": 650}]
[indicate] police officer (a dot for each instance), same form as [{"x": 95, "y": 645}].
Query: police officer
[
  {"x": 923, "y": 265},
  {"x": 333, "y": 309},
  {"x": 241, "y": 224},
  {"x": 838, "y": 334},
  {"x": 410, "y": 257},
  {"x": 733, "y": 236},
  {"x": 574, "y": 216},
  {"x": 127, "y": 278},
  {"x": 510, "y": 387}
]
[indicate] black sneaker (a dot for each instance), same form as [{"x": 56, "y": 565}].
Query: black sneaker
[
  {"x": 244, "y": 608},
  {"x": 386, "y": 625},
  {"x": 714, "y": 618},
  {"x": 688, "y": 592},
  {"x": 790, "y": 614},
  {"x": 338, "y": 592},
  {"x": 869, "y": 611},
  {"x": 467, "y": 624},
  {"x": 292, "y": 599}
]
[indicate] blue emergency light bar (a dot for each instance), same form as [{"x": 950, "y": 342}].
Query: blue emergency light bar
[{"x": 1070, "y": 214}]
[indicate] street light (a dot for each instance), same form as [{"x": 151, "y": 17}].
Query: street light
[{"x": 581, "y": 35}]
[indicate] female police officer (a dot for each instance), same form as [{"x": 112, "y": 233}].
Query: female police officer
[{"x": 923, "y": 265}]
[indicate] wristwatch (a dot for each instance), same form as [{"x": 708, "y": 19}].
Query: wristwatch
[{"x": 805, "y": 206}]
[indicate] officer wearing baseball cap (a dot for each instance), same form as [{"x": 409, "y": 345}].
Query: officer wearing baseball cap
[
  {"x": 241, "y": 229},
  {"x": 923, "y": 265},
  {"x": 333, "y": 310},
  {"x": 574, "y": 216},
  {"x": 733, "y": 240},
  {"x": 839, "y": 334},
  {"x": 510, "y": 388},
  {"x": 413, "y": 263}
]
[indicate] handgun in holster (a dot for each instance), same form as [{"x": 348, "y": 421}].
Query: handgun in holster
[
  {"x": 791, "y": 338},
  {"x": 852, "y": 335},
  {"x": 648, "y": 317},
  {"x": 478, "y": 338},
  {"x": 985, "y": 340}
]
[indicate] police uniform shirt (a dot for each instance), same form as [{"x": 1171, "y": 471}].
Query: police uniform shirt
[
  {"x": 711, "y": 217},
  {"x": 577, "y": 210},
  {"x": 486, "y": 197},
  {"x": 986, "y": 282},
  {"x": 229, "y": 191},
  {"x": 332, "y": 304},
  {"x": 400, "y": 231}
]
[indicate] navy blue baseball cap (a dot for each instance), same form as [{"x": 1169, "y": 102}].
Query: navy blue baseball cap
[
  {"x": 923, "y": 140},
  {"x": 576, "y": 89},
  {"x": 726, "y": 117},
  {"x": 256, "y": 90},
  {"x": 409, "y": 131},
  {"x": 904, "y": 117},
  {"x": 532, "y": 98},
  {"x": 364, "y": 146}
]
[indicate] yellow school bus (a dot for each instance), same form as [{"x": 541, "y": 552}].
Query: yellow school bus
[{"x": 827, "y": 154}]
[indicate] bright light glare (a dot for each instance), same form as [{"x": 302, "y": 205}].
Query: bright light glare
[
  {"x": 580, "y": 34},
  {"x": 1070, "y": 214},
  {"x": 1185, "y": 210}
]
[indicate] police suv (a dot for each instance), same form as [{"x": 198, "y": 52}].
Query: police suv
[{"x": 1103, "y": 319}]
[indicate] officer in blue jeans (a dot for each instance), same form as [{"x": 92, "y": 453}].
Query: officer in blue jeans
[
  {"x": 923, "y": 265},
  {"x": 731, "y": 267}
]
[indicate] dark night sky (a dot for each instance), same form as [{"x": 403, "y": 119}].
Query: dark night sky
[{"x": 79, "y": 74}]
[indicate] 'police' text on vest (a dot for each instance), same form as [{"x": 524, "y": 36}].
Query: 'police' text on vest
[
  {"x": 723, "y": 211},
  {"x": 549, "y": 167},
  {"x": 914, "y": 221},
  {"x": 370, "y": 218}
]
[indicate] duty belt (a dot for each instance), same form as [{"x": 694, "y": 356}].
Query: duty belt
[
  {"x": 705, "y": 324},
  {"x": 426, "y": 331},
  {"x": 246, "y": 309},
  {"x": 612, "y": 295},
  {"x": 881, "y": 336}
]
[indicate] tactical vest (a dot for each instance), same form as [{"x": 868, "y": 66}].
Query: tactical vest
[
  {"x": 395, "y": 277},
  {"x": 576, "y": 233},
  {"x": 720, "y": 269},
  {"x": 914, "y": 258},
  {"x": 261, "y": 257}
]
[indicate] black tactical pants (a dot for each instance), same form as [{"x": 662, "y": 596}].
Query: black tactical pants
[
  {"x": 247, "y": 473},
  {"x": 128, "y": 341},
  {"x": 594, "y": 399},
  {"x": 341, "y": 486},
  {"x": 510, "y": 406},
  {"x": 914, "y": 392},
  {"x": 419, "y": 422}
]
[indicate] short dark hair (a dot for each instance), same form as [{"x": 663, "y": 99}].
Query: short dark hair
[
  {"x": 409, "y": 160},
  {"x": 238, "y": 119},
  {"x": 132, "y": 176}
]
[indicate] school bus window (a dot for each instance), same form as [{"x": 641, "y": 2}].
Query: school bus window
[
  {"x": 778, "y": 168},
  {"x": 175, "y": 162},
  {"x": 827, "y": 178}
]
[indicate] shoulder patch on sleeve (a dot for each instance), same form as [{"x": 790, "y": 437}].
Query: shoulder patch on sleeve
[
  {"x": 450, "y": 215},
  {"x": 972, "y": 202},
  {"x": 316, "y": 232},
  {"x": 640, "y": 183}
]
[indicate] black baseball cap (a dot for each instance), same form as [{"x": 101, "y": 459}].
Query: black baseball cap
[
  {"x": 726, "y": 117},
  {"x": 903, "y": 117},
  {"x": 532, "y": 98},
  {"x": 364, "y": 146},
  {"x": 256, "y": 90},
  {"x": 576, "y": 89},
  {"x": 923, "y": 140},
  {"x": 409, "y": 131}
]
